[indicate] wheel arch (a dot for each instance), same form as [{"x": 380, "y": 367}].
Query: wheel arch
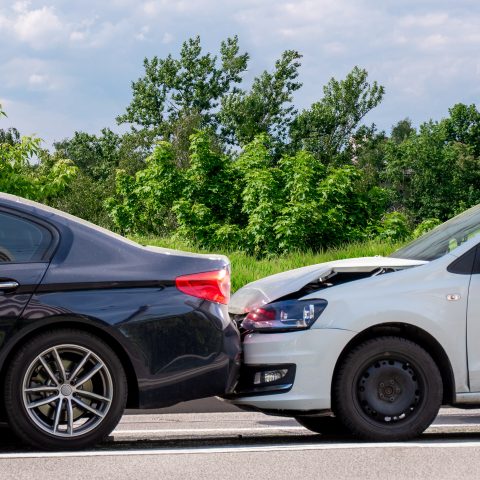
[
  {"x": 414, "y": 334},
  {"x": 111, "y": 341}
]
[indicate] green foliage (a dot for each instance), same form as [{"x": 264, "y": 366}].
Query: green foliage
[
  {"x": 436, "y": 172},
  {"x": 326, "y": 128},
  {"x": 266, "y": 108},
  {"x": 261, "y": 195},
  {"x": 10, "y": 136},
  {"x": 425, "y": 226},
  {"x": 325, "y": 206},
  {"x": 20, "y": 176},
  {"x": 143, "y": 203},
  {"x": 402, "y": 130},
  {"x": 394, "y": 227},
  {"x": 190, "y": 85},
  {"x": 367, "y": 151},
  {"x": 205, "y": 207},
  {"x": 463, "y": 126},
  {"x": 254, "y": 203},
  {"x": 98, "y": 156}
]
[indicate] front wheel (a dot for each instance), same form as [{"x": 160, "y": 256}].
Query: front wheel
[
  {"x": 64, "y": 390},
  {"x": 387, "y": 389}
]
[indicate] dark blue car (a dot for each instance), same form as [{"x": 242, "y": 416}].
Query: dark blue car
[{"x": 92, "y": 323}]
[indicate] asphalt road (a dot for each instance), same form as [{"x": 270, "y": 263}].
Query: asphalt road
[{"x": 239, "y": 445}]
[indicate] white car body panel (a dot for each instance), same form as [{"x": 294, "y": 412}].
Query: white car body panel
[
  {"x": 315, "y": 352},
  {"x": 473, "y": 329}
]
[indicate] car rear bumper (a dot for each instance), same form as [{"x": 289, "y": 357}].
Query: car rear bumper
[{"x": 310, "y": 354}]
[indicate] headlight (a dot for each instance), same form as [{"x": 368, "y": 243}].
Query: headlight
[{"x": 284, "y": 316}]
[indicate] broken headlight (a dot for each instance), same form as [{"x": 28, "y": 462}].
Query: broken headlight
[{"x": 284, "y": 316}]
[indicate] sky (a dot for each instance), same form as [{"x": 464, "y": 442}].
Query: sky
[{"x": 68, "y": 65}]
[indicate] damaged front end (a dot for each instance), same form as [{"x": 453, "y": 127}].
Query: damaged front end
[
  {"x": 288, "y": 302},
  {"x": 293, "y": 285}
]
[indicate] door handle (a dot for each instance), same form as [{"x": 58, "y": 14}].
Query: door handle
[{"x": 8, "y": 285}]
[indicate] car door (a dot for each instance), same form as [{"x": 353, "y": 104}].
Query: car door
[
  {"x": 25, "y": 249},
  {"x": 473, "y": 325}
]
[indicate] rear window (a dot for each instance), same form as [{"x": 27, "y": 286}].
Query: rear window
[{"x": 22, "y": 241}]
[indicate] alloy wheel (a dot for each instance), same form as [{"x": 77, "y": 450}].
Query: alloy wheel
[{"x": 67, "y": 390}]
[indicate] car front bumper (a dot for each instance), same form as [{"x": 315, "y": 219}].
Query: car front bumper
[{"x": 311, "y": 354}]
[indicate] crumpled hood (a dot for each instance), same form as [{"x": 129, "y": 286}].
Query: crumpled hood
[{"x": 270, "y": 288}]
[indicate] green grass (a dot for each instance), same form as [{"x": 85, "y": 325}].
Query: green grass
[{"x": 246, "y": 268}]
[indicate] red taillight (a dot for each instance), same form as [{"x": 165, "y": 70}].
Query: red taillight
[{"x": 213, "y": 286}]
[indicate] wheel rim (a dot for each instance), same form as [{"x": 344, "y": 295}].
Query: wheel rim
[
  {"x": 390, "y": 391},
  {"x": 67, "y": 390}
]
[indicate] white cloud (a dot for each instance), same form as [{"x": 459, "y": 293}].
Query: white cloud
[
  {"x": 425, "y": 53},
  {"x": 434, "y": 41},
  {"x": 78, "y": 36},
  {"x": 142, "y": 34},
  {"x": 167, "y": 38},
  {"x": 37, "y": 79},
  {"x": 33, "y": 74},
  {"x": 39, "y": 28},
  {"x": 21, "y": 7},
  {"x": 150, "y": 8},
  {"x": 425, "y": 21},
  {"x": 334, "y": 48}
]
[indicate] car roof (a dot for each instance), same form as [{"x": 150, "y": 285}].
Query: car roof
[{"x": 47, "y": 212}]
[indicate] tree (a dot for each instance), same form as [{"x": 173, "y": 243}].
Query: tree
[
  {"x": 193, "y": 84},
  {"x": 366, "y": 150},
  {"x": 20, "y": 176},
  {"x": 326, "y": 128},
  {"x": 11, "y": 136},
  {"x": 143, "y": 203},
  {"x": 266, "y": 108},
  {"x": 206, "y": 209},
  {"x": 402, "y": 130},
  {"x": 433, "y": 173},
  {"x": 463, "y": 126},
  {"x": 98, "y": 155}
]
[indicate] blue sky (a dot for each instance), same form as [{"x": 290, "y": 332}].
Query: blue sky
[{"x": 67, "y": 66}]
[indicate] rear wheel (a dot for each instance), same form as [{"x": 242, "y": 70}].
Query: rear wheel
[
  {"x": 323, "y": 425},
  {"x": 64, "y": 389},
  {"x": 387, "y": 389}
]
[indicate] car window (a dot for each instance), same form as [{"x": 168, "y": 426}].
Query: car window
[
  {"x": 445, "y": 238},
  {"x": 21, "y": 240}
]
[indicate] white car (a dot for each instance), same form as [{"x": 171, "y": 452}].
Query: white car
[{"x": 372, "y": 346}]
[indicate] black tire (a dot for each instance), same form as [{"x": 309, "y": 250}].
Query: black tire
[
  {"x": 387, "y": 389},
  {"x": 63, "y": 423},
  {"x": 323, "y": 425}
]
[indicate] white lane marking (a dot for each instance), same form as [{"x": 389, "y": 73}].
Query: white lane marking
[
  {"x": 192, "y": 431},
  {"x": 454, "y": 425},
  {"x": 239, "y": 449},
  {"x": 204, "y": 430}
]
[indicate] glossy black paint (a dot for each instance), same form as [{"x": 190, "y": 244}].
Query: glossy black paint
[{"x": 174, "y": 347}]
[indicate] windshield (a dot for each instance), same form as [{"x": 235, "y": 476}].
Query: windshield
[{"x": 443, "y": 239}]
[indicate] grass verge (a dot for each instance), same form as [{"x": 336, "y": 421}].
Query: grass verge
[{"x": 246, "y": 269}]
